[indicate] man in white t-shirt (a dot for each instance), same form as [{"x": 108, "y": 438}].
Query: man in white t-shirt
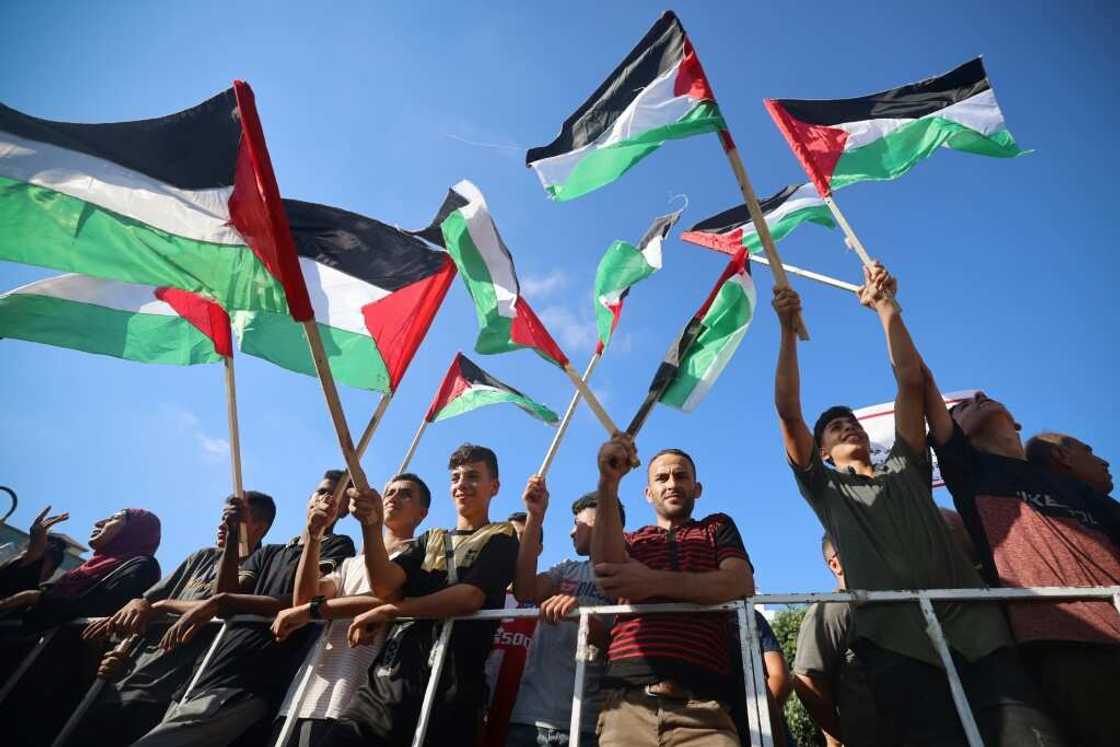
[{"x": 344, "y": 593}]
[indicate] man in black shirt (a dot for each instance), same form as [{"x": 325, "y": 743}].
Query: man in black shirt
[
  {"x": 145, "y": 683},
  {"x": 447, "y": 573},
  {"x": 249, "y": 669}
]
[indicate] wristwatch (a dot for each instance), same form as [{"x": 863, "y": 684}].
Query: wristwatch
[{"x": 313, "y": 607}]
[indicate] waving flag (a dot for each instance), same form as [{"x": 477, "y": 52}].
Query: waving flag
[
  {"x": 882, "y": 136},
  {"x": 622, "y": 267},
  {"x": 784, "y": 211},
  {"x": 657, "y": 93},
  {"x": 506, "y": 322},
  {"x": 375, "y": 290},
  {"x": 123, "y": 320},
  {"x": 467, "y": 387},
  {"x": 187, "y": 201}
]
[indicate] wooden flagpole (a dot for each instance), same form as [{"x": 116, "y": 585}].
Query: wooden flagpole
[
  {"x": 412, "y": 446},
  {"x": 567, "y": 419},
  {"x": 235, "y": 455},
  {"x": 363, "y": 442},
  {"x": 759, "y": 220},
  {"x": 592, "y": 400},
  {"x": 851, "y": 239},
  {"x": 793, "y": 270},
  {"x": 334, "y": 405}
]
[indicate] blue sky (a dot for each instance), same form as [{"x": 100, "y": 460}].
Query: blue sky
[{"x": 1007, "y": 269}]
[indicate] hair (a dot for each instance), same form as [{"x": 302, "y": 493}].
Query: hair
[
  {"x": 261, "y": 506},
  {"x": 674, "y": 452},
  {"x": 521, "y": 517},
  {"x": 827, "y": 548},
  {"x": 1040, "y": 448},
  {"x": 334, "y": 475},
  {"x": 591, "y": 500},
  {"x": 473, "y": 453},
  {"x": 826, "y": 417},
  {"x": 412, "y": 477}
]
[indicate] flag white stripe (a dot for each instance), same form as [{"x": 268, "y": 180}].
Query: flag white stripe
[
  {"x": 484, "y": 234},
  {"x": 338, "y": 298},
  {"x": 980, "y": 113},
  {"x": 109, "y": 294}
]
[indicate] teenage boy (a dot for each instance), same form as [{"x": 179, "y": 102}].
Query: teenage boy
[
  {"x": 667, "y": 673},
  {"x": 249, "y": 669},
  {"x": 890, "y": 535},
  {"x": 447, "y": 573},
  {"x": 343, "y": 594}
]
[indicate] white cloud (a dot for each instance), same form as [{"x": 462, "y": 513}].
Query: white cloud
[
  {"x": 570, "y": 331},
  {"x": 213, "y": 448},
  {"x": 536, "y": 288}
]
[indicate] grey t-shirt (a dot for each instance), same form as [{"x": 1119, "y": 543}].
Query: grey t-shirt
[
  {"x": 823, "y": 652},
  {"x": 545, "y": 695},
  {"x": 890, "y": 535}
]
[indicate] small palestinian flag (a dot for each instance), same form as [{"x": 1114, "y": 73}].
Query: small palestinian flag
[
  {"x": 187, "y": 201},
  {"x": 657, "y": 93},
  {"x": 623, "y": 266},
  {"x": 375, "y": 290},
  {"x": 123, "y": 320},
  {"x": 506, "y": 322},
  {"x": 784, "y": 211},
  {"x": 700, "y": 353},
  {"x": 882, "y": 136},
  {"x": 467, "y": 387}
]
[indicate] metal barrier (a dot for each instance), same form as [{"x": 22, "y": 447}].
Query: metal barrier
[{"x": 758, "y": 713}]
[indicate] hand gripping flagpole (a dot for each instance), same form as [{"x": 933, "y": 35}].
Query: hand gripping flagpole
[
  {"x": 235, "y": 454},
  {"x": 363, "y": 442},
  {"x": 567, "y": 419}
]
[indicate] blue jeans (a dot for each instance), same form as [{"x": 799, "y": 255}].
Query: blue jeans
[{"x": 526, "y": 735}]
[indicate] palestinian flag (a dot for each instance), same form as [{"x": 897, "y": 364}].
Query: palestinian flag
[
  {"x": 623, "y": 266},
  {"x": 784, "y": 211},
  {"x": 122, "y": 320},
  {"x": 375, "y": 290},
  {"x": 700, "y": 353},
  {"x": 658, "y": 93},
  {"x": 187, "y": 201},
  {"x": 883, "y": 135},
  {"x": 506, "y": 322},
  {"x": 467, "y": 387}
]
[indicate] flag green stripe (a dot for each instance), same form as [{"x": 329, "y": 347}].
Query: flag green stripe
[
  {"x": 146, "y": 338},
  {"x": 818, "y": 214},
  {"x": 354, "y": 358},
  {"x": 476, "y": 397},
  {"x": 39, "y": 226},
  {"x": 621, "y": 267},
  {"x": 724, "y": 326},
  {"x": 896, "y": 153},
  {"x": 603, "y": 165}
]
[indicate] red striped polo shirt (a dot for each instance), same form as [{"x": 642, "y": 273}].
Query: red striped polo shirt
[{"x": 689, "y": 648}]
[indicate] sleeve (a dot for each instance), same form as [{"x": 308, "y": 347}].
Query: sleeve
[
  {"x": 728, "y": 542},
  {"x": 105, "y": 598},
  {"x": 821, "y": 642},
  {"x": 767, "y": 641},
  {"x": 902, "y": 457},
  {"x": 15, "y": 577},
  {"x": 492, "y": 570},
  {"x": 557, "y": 573},
  {"x": 253, "y": 566},
  {"x": 411, "y": 559},
  {"x": 813, "y": 482},
  {"x": 166, "y": 586},
  {"x": 338, "y": 549},
  {"x": 956, "y": 459},
  {"x": 336, "y": 577}
]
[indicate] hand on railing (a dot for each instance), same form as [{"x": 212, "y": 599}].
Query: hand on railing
[
  {"x": 189, "y": 624},
  {"x": 632, "y": 580},
  {"x": 363, "y": 630},
  {"x": 290, "y": 620},
  {"x": 557, "y": 607},
  {"x": 131, "y": 619}
]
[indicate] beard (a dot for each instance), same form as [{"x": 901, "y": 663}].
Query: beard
[{"x": 682, "y": 508}]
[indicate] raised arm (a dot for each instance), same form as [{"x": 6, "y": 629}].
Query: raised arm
[
  {"x": 877, "y": 293},
  {"x": 308, "y": 584},
  {"x": 608, "y": 544},
  {"x": 796, "y": 437},
  {"x": 937, "y": 414},
  {"x": 528, "y": 585},
  {"x": 386, "y": 578}
]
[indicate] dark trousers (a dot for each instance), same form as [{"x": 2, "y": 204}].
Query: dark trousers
[
  {"x": 1080, "y": 681},
  {"x": 916, "y": 705},
  {"x": 112, "y": 722}
]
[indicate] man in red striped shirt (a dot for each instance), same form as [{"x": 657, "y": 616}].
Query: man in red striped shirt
[{"x": 668, "y": 675}]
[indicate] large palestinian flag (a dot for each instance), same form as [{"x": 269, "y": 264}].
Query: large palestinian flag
[
  {"x": 506, "y": 322},
  {"x": 623, "y": 266},
  {"x": 702, "y": 350},
  {"x": 784, "y": 211},
  {"x": 883, "y": 135},
  {"x": 375, "y": 290},
  {"x": 123, "y": 320},
  {"x": 188, "y": 201},
  {"x": 657, "y": 93},
  {"x": 467, "y": 387}
]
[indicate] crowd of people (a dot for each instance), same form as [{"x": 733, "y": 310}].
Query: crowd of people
[{"x": 1034, "y": 672}]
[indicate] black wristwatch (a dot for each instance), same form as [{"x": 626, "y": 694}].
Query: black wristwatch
[{"x": 313, "y": 607}]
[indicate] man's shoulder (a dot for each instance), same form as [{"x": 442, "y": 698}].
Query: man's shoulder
[
  {"x": 569, "y": 568},
  {"x": 717, "y": 519}
]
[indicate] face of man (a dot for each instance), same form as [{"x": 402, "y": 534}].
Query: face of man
[
  {"x": 1086, "y": 466},
  {"x": 105, "y": 529},
  {"x": 402, "y": 504},
  {"x": 833, "y": 561},
  {"x": 581, "y": 531},
  {"x": 843, "y": 439},
  {"x": 472, "y": 487},
  {"x": 982, "y": 412},
  {"x": 672, "y": 489},
  {"x": 257, "y": 527}
]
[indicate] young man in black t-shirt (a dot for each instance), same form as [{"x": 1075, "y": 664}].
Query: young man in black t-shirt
[
  {"x": 447, "y": 573},
  {"x": 249, "y": 670}
]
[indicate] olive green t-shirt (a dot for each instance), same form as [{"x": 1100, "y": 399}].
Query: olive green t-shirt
[{"x": 890, "y": 535}]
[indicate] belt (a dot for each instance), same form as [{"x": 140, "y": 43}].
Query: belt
[{"x": 669, "y": 689}]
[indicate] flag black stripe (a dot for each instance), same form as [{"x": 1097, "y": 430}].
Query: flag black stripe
[
  {"x": 659, "y": 228},
  {"x": 737, "y": 216},
  {"x": 908, "y": 102},
  {"x": 362, "y": 247},
  {"x": 193, "y": 149},
  {"x": 475, "y": 375},
  {"x": 658, "y": 51}
]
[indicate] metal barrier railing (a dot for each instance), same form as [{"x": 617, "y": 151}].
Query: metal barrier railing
[{"x": 758, "y": 713}]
